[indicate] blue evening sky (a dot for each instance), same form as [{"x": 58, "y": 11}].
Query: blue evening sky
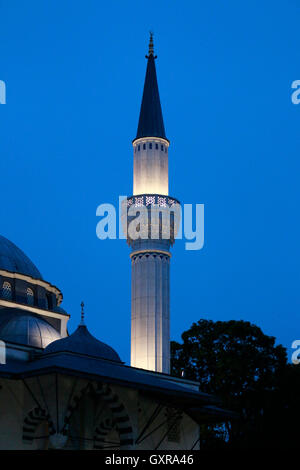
[{"x": 74, "y": 72}]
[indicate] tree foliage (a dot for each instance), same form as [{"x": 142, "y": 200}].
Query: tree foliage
[{"x": 237, "y": 362}]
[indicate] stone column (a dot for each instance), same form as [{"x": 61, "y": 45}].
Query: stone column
[{"x": 150, "y": 311}]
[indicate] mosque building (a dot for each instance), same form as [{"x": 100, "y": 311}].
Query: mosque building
[{"x": 61, "y": 391}]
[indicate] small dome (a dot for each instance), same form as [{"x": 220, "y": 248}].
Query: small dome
[
  {"x": 19, "y": 327},
  {"x": 13, "y": 259},
  {"x": 82, "y": 342},
  {"x": 59, "y": 310}
]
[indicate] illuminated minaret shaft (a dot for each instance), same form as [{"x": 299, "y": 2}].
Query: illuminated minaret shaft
[{"x": 150, "y": 258}]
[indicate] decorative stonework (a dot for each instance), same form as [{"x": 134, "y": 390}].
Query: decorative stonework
[
  {"x": 151, "y": 254},
  {"x": 151, "y": 199},
  {"x": 162, "y": 217},
  {"x": 31, "y": 422},
  {"x": 121, "y": 418}
]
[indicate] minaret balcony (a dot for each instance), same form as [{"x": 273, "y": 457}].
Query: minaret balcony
[{"x": 154, "y": 217}]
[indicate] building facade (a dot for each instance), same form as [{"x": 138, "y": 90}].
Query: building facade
[{"x": 61, "y": 391}]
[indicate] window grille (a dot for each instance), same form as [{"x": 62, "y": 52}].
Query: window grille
[
  {"x": 6, "y": 291},
  {"x": 30, "y": 296}
]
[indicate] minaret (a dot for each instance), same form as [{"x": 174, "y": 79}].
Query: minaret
[{"x": 150, "y": 258}]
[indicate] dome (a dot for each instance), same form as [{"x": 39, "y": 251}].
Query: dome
[
  {"x": 82, "y": 342},
  {"x": 13, "y": 259},
  {"x": 17, "y": 326}
]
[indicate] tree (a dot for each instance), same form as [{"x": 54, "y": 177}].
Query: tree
[{"x": 237, "y": 362}]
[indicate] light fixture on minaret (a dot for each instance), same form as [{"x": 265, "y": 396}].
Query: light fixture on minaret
[{"x": 150, "y": 258}]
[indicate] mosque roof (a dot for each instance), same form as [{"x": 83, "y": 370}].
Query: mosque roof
[
  {"x": 166, "y": 389},
  {"x": 103, "y": 370},
  {"x": 82, "y": 356},
  {"x": 83, "y": 343},
  {"x": 13, "y": 259},
  {"x": 21, "y": 327}
]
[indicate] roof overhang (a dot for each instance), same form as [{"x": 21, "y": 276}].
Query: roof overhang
[{"x": 149, "y": 384}]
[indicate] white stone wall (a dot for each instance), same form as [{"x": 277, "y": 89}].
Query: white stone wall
[
  {"x": 11, "y": 414},
  {"x": 16, "y": 402},
  {"x": 150, "y": 330},
  {"x": 188, "y": 430},
  {"x": 150, "y": 166}
]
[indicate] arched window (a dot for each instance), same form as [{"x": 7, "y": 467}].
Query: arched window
[
  {"x": 48, "y": 302},
  {"x": 30, "y": 296},
  {"x": 6, "y": 291}
]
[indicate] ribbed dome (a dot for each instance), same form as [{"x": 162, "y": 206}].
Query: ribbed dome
[
  {"x": 82, "y": 342},
  {"x": 19, "y": 327},
  {"x": 13, "y": 259}
]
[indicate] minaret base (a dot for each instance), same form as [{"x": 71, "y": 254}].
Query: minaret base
[{"x": 150, "y": 311}]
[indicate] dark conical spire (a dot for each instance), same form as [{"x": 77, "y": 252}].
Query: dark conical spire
[{"x": 151, "y": 123}]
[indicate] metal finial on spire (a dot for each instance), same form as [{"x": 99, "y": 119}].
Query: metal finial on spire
[
  {"x": 151, "y": 44},
  {"x": 151, "y": 47},
  {"x": 82, "y": 313}
]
